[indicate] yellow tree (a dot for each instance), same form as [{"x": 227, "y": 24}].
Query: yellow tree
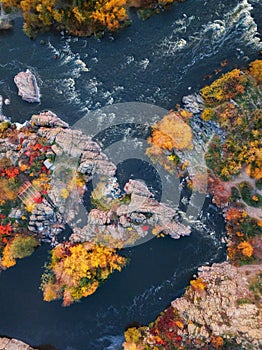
[
  {"x": 77, "y": 270},
  {"x": 110, "y": 13}
]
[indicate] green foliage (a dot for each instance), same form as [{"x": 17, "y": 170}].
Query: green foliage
[
  {"x": 23, "y": 246},
  {"x": 243, "y": 301},
  {"x": 249, "y": 195},
  {"x": 235, "y": 195},
  {"x": 259, "y": 184},
  {"x": 4, "y": 126},
  {"x": 256, "y": 286}
]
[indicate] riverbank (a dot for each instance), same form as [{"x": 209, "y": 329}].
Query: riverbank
[
  {"x": 221, "y": 309},
  {"x": 82, "y": 19}
]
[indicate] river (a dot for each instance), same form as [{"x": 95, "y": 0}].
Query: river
[{"x": 156, "y": 62}]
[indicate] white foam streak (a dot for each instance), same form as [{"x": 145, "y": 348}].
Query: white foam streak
[{"x": 206, "y": 41}]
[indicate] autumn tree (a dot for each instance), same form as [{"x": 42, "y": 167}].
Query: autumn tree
[
  {"x": 228, "y": 86},
  {"x": 110, "y": 13},
  {"x": 76, "y": 270},
  {"x": 172, "y": 132},
  {"x": 19, "y": 247},
  {"x": 255, "y": 69}
]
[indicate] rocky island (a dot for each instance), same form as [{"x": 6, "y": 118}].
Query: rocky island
[{"x": 45, "y": 167}]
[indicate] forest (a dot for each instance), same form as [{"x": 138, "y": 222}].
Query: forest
[{"x": 79, "y": 17}]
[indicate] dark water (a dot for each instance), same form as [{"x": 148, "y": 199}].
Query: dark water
[{"x": 155, "y": 62}]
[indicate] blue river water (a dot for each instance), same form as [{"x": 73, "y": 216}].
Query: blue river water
[{"x": 157, "y": 62}]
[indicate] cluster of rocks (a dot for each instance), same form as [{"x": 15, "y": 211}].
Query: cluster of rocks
[
  {"x": 72, "y": 152},
  {"x": 13, "y": 344},
  {"x": 193, "y": 103},
  {"x": 143, "y": 211},
  {"x": 225, "y": 308}
]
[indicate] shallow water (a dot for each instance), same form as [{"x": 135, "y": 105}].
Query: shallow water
[{"x": 155, "y": 62}]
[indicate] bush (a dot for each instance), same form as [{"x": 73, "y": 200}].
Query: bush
[
  {"x": 249, "y": 195},
  {"x": 259, "y": 184}
]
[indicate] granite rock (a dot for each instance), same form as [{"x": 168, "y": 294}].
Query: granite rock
[{"x": 27, "y": 86}]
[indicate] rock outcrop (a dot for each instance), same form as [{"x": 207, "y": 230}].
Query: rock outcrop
[
  {"x": 13, "y": 344},
  {"x": 221, "y": 309},
  {"x": 193, "y": 103},
  {"x": 27, "y": 86},
  {"x": 226, "y": 307},
  {"x": 135, "y": 218},
  {"x": 48, "y": 119}
]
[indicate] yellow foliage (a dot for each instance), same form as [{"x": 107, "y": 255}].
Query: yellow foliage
[
  {"x": 132, "y": 335},
  {"x": 78, "y": 15},
  {"x": 225, "y": 88},
  {"x": 208, "y": 114},
  {"x": 64, "y": 193},
  {"x": 246, "y": 248},
  {"x": 30, "y": 207},
  {"x": 110, "y": 13},
  {"x": 186, "y": 115},
  {"x": 255, "y": 69},
  {"x": 165, "y": 2},
  {"x": 7, "y": 258},
  {"x": 79, "y": 268}
]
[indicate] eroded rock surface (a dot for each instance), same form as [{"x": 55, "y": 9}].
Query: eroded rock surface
[{"x": 14, "y": 344}]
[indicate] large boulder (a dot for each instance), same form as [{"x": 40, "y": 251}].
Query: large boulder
[{"x": 27, "y": 86}]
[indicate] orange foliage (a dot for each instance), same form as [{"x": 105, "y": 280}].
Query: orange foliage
[
  {"x": 217, "y": 342},
  {"x": 234, "y": 214},
  {"x": 172, "y": 132},
  {"x": 110, "y": 13},
  {"x": 246, "y": 248},
  {"x": 198, "y": 284},
  {"x": 255, "y": 69}
]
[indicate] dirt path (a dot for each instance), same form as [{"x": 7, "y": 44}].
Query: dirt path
[{"x": 243, "y": 176}]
